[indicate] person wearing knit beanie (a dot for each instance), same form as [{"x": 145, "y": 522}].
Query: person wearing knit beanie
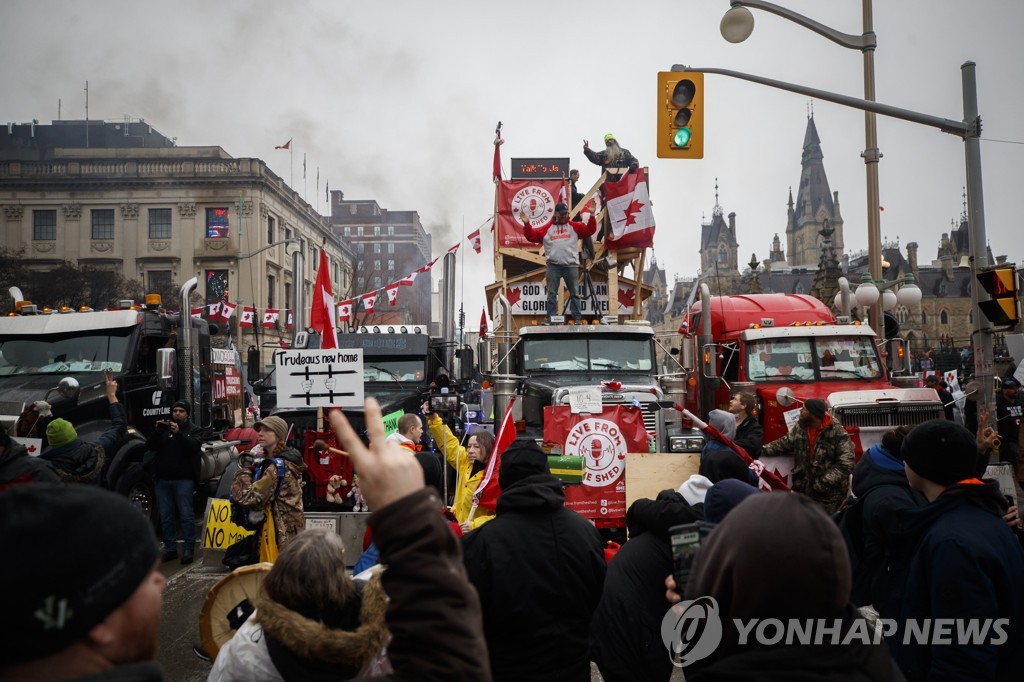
[
  {"x": 60, "y": 432},
  {"x": 101, "y": 611},
  {"x": 940, "y": 451}
]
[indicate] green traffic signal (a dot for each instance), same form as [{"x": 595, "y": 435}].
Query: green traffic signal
[{"x": 681, "y": 137}]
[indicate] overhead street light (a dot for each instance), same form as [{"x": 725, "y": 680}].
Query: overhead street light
[{"x": 736, "y": 26}]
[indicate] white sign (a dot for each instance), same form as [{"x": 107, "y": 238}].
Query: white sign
[
  {"x": 222, "y": 356},
  {"x": 530, "y": 298},
  {"x": 792, "y": 417},
  {"x": 319, "y": 378},
  {"x": 34, "y": 445},
  {"x": 1003, "y": 472},
  {"x": 585, "y": 399}
]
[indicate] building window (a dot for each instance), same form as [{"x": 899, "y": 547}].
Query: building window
[
  {"x": 44, "y": 225},
  {"x": 347, "y": 231},
  {"x": 359, "y": 231},
  {"x": 360, "y": 248},
  {"x": 902, "y": 314},
  {"x": 376, "y": 265},
  {"x": 391, "y": 230},
  {"x": 723, "y": 255},
  {"x": 942, "y": 289},
  {"x": 271, "y": 229},
  {"x": 362, "y": 281},
  {"x": 216, "y": 285},
  {"x": 352, "y": 208},
  {"x": 159, "y": 223},
  {"x": 287, "y": 233},
  {"x": 271, "y": 288},
  {"x": 287, "y": 293},
  {"x": 337, "y": 273},
  {"x": 391, "y": 265},
  {"x": 102, "y": 223},
  {"x": 376, "y": 230},
  {"x": 216, "y": 223},
  {"x": 376, "y": 282},
  {"x": 924, "y": 318},
  {"x": 943, "y": 317},
  {"x": 391, "y": 248},
  {"x": 376, "y": 247},
  {"x": 158, "y": 281}
]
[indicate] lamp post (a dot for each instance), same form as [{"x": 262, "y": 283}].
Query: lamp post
[
  {"x": 870, "y": 292},
  {"x": 738, "y": 24}
]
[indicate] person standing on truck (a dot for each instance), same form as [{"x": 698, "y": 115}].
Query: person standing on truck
[
  {"x": 469, "y": 463},
  {"x": 282, "y": 503},
  {"x": 822, "y": 455},
  {"x": 77, "y": 461},
  {"x": 176, "y": 468},
  {"x": 560, "y": 238},
  {"x": 615, "y": 161},
  {"x": 749, "y": 434}
]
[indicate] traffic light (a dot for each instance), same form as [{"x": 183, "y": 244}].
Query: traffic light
[
  {"x": 1001, "y": 284},
  {"x": 680, "y": 115}
]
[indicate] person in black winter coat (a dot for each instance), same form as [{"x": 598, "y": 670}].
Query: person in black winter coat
[
  {"x": 539, "y": 569},
  {"x": 881, "y": 488},
  {"x": 17, "y": 466},
  {"x": 959, "y": 560},
  {"x": 749, "y": 434},
  {"x": 175, "y": 468},
  {"x": 79, "y": 461}
]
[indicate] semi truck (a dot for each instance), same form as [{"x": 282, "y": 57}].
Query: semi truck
[
  {"x": 764, "y": 343},
  {"x": 60, "y": 356}
]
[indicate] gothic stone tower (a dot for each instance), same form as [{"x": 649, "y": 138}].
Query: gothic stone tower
[
  {"x": 719, "y": 260},
  {"x": 814, "y": 205}
]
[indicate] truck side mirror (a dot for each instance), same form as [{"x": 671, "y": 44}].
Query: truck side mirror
[
  {"x": 252, "y": 363},
  {"x": 466, "y": 369},
  {"x": 166, "y": 368}
]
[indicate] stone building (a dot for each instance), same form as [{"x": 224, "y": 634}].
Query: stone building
[
  {"x": 120, "y": 196},
  {"x": 719, "y": 251},
  {"x": 815, "y": 204},
  {"x": 388, "y": 245}
]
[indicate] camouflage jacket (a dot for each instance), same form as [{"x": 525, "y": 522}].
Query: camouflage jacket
[
  {"x": 825, "y": 477},
  {"x": 286, "y": 506}
]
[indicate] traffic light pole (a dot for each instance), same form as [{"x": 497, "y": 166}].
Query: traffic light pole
[{"x": 969, "y": 130}]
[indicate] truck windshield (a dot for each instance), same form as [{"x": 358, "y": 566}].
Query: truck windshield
[
  {"x": 600, "y": 354},
  {"x": 831, "y": 358},
  {"x": 62, "y": 353},
  {"x": 393, "y": 370}
]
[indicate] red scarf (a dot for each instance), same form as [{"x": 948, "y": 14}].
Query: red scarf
[{"x": 812, "y": 434}]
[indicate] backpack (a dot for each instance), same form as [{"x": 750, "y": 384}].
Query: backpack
[{"x": 250, "y": 519}]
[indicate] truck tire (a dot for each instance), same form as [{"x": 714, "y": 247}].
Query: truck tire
[{"x": 138, "y": 487}]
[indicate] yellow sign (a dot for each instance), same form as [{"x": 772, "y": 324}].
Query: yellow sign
[{"x": 219, "y": 532}]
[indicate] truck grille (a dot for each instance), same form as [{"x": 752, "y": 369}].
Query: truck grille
[
  {"x": 649, "y": 415},
  {"x": 888, "y": 415}
]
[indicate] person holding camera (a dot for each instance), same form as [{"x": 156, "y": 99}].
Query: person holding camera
[
  {"x": 469, "y": 463},
  {"x": 176, "y": 468}
]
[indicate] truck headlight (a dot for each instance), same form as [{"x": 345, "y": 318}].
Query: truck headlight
[{"x": 685, "y": 444}]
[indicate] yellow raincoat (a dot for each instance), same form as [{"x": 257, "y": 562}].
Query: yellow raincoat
[{"x": 467, "y": 482}]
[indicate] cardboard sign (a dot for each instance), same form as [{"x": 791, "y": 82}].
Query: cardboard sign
[
  {"x": 585, "y": 399},
  {"x": 1003, "y": 473},
  {"x": 219, "y": 532},
  {"x": 320, "y": 378},
  {"x": 792, "y": 417},
  {"x": 391, "y": 421}
]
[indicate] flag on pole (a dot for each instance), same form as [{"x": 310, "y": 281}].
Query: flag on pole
[
  {"x": 483, "y": 323},
  {"x": 303, "y": 165},
  {"x": 496, "y": 168},
  {"x": 322, "y": 314},
  {"x": 408, "y": 279},
  {"x": 196, "y": 313},
  {"x": 474, "y": 239},
  {"x": 227, "y": 310},
  {"x": 629, "y": 208},
  {"x": 766, "y": 480},
  {"x": 270, "y": 318},
  {"x": 487, "y": 492},
  {"x": 345, "y": 311},
  {"x": 286, "y": 145},
  {"x": 392, "y": 291},
  {"x": 248, "y": 316},
  {"x": 368, "y": 301}
]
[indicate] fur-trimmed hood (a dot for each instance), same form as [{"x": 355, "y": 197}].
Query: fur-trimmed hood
[{"x": 312, "y": 639}]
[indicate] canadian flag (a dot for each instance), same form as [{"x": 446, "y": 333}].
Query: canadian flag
[
  {"x": 197, "y": 313},
  {"x": 483, "y": 323},
  {"x": 426, "y": 268},
  {"x": 629, "y": 207},
  {"x": 392, "y": 291},
  {"x": 408, "y": 279},
  {"x": 487, "y": 492},
  {"x": 286, "y": 145},
  {"x": 345, "y": 311},
  {"x": 289, "y": 318},
  {"x": 270, "y": 318},
  {"x": 474, "y": 240},
  {"x": 248, "y": 315},
  {"x": 322, "y": 314},
  {"x": 455, "y": 248},
  {"x": 368, "y": 301},
  {"x": 227, "y": 310},
  {"x": 213, "y": 310}
]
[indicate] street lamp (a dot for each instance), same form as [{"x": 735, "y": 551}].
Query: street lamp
[{"x": 737, "y": 25}]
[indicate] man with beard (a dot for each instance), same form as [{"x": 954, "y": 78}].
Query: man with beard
[
  {"x": 615, "y": 161},
  {"x": 822, "y": 455},
  {"x": 90, "y": 609},
  {"x": 560, "y": 238},
  {"x": 176, "y": 468}
]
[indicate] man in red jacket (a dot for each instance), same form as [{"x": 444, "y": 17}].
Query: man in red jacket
[{"x": 560, "y": 238}]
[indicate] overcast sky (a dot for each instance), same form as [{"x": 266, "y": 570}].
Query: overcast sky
[{"x": 397, "y": 101}]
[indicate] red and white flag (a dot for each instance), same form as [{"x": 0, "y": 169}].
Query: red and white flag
[
  {"x": 286, "y": 145},
  {"x": 392, "y": 291},
  {"x": 483, "y": 323},
  {"x": 368, "y": 301},
  {"x": 270, "y": 318},
  {"x": 196, "y": 313},
  {"x": 455, "y": 248},
  {"x": 487, "y": 492},
  {"x": 426, "y": 268},
  {"x": 629, "y": 208},
  {"x": 496, "y": 167},
  {"x": 408, "y": 279},
  {"x": 227, "y": 310},
  {"x": 474, "y": 240},
  {"x": 345, "y": 311},
  {"x": 248, "y": 315},
  {"x": 213, "y": 310},
  {"x": 288, "y": 317},
  {"x": 322, "y": 315}
]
